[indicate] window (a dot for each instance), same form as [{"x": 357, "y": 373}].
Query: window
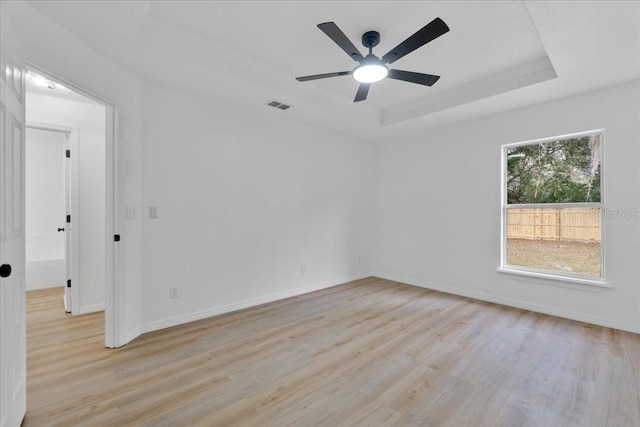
[{"x": 552, "y": 207}]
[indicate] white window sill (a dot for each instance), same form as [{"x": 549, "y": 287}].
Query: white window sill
[{"x": 595, "y": 282}]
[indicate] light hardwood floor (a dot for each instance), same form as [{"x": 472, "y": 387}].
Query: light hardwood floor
[{"x": 370, "y": 353}]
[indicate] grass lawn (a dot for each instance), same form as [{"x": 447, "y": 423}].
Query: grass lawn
[{"x": 575, "y": 257}]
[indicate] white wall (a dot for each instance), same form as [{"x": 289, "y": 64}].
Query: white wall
[
  {"x": 245, "y": 200},
  {"x": 437, "y": 207},
  {"x": 45, "y": 209},
  {"x": 89, "y": 120}
]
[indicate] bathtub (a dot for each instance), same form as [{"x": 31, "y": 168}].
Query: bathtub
[{"x": 46, "y": 266}]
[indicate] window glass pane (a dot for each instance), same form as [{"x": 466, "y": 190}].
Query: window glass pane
[
  {"x": 559, "y": 239},
  {"x": 562, "y": 171}
]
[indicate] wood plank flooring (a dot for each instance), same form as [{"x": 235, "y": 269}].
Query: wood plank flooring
[{"x": 367, "y": 353}]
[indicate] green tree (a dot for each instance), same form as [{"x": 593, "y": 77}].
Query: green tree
[{"x": 553, "y": 172}]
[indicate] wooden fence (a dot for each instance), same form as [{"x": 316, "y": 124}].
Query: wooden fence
[{"x": 563, "y": 224}]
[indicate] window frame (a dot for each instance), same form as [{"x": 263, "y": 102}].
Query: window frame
[{"x": 553, "y": 275}]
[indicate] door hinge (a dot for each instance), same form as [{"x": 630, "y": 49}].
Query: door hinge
[
  {"x": 68, "y": 154},
  {"x": 69, "y": 283},
  {"x": 69, "y": 219},
  {"x": 116, "y": 237}
]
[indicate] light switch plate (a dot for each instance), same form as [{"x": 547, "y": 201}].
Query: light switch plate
[{"x": 153, "y": 212}]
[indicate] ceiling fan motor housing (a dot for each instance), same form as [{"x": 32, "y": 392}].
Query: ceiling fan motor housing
[{"x": 370, "y": 39}]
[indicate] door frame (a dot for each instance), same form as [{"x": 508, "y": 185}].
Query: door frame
[
  {"x": 74, "y": 255},
  {"x": 112, "y": 325}
]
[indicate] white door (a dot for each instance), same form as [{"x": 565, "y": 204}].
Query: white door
[
  {"x": 67, "y": 222},
  {"x": 13, "y": 373}
]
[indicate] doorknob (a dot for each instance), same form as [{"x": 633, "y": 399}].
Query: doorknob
[
  {"x": 5, "y": 270},
  {"x": 60, "y": 229}
]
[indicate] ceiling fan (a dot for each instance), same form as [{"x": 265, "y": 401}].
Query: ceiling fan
[{"x": 373, "y": 69}]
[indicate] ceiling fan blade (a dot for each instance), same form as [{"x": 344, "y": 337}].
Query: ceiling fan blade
[
  {"x": 322, "y": 76},
  {"x": 432, "y": 30},
  {"x": 409, "y": 76},
  {"x": 336, "y": 34},
  {"x": 363, "y": 90}
]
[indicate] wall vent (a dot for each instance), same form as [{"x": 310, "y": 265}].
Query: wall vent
[{"x": 279, "y": 105}]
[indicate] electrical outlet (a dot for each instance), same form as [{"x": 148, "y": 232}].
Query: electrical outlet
[
  {"x": 131, "y": 212},
  {"x": 153, "y": 212},
  {"x": 173, "y": 292}
]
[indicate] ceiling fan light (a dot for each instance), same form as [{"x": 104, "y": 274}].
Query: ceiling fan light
[{"x": 370, "y": 73}]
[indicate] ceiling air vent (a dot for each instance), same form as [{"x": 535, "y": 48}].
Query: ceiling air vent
[{"x": 278, "y": 105}]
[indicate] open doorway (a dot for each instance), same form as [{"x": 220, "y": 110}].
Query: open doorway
[
  {"x": 47, "y": 197},
  {"x": 69, "y": 194}
]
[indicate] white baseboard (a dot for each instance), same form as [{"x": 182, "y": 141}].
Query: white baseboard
[
  {"x": 214, "y": 311},
  {"x": 86, "y": 309},
  {"x": 131, "y": 334},
  {"x": 581, "y": 317}
]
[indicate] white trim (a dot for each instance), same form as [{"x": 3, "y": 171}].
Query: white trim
[
  {"x": 132, "y": 334},
  {"x": 554, "y": 138},
  {"x": 214, "y": 311},
  {"x": 554, "y": 205},
  {"x": 503, "y": 202},
  {"x": 112, "y": 318},
  {"x": 93, "y": 308},
  {"x": 46, "y": 126},
  {"x": 585, "y": 280},
  {"x": 74, "y": 211},
  {"x": 538, "y": 308}
]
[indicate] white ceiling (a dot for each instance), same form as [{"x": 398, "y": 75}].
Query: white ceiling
[{"x": 498, "y": 55}]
